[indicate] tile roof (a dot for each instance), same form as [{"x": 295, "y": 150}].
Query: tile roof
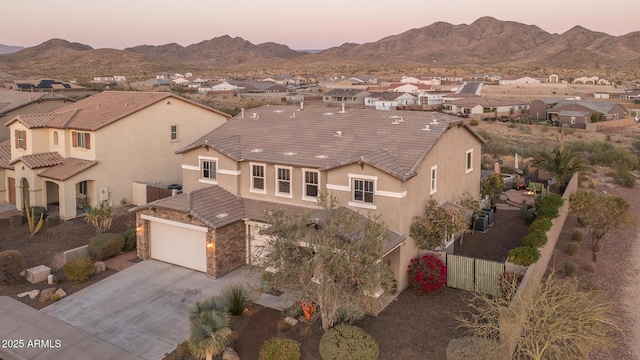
[
  {"x": 69, "y": 168},
  {"x": 5, "y": 155},
  {"x": 37, "y": 161},
  {"x": 599, "y": 106},
  {"x": 11, "y": 100},
  {"x": 394, "y": 142},
  {"x": 99, "y": 110},
  {"x": 486, "y": 102},
  {"x": 344, "y": 92},
  {"x": 217, "y": 207}
]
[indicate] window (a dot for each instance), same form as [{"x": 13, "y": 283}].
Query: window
[
  {"x": 174, "y": 132},
  {"x": 469, "y": 165},
  {"x": 283, "y": 181},
  {"x": 82, "y": 187},
  {"x": 257, "y": 178},
  {"x": 363, "y": 191},
  {"x": 55, "y": 138},
  {"x": 573, "y": 119},
  {"x": 209, "y": 169},
  {"x": 311, "y": 184},
  {"x": 434, "y": 177},
  {"x": 21, "y": 139},
  {"x": 81, "y": 140}
]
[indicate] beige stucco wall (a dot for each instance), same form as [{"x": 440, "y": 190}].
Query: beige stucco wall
[
  {"x": 136, "y": 148},
  {"x": 396, "y": 202},
  {"x": 139, "y": 147}
]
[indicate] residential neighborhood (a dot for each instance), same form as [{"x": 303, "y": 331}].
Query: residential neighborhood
[{"x": 451, "y": 192}]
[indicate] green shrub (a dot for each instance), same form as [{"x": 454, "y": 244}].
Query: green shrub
[
  {"x": 547, "y": 212},
  {"x": 349, "y": 315},
  {"x": 52, "y": 220},
  {"x": 105, "y": 245},
  {"x": 597, "y": 247},
  {"x": 473, "y": 122},
  {"x": 573, "y": 248},
  {"x": 527, "y": 214},
  {"x": 542, "y": 224},
  {"x": 552, "y": 200},
  {"x": 236, "y": 298},
  {"x": 570, "y": 269},
  {"x": 535, "y": 239},
  {"x": 577, "y": 235},
  {"x": 624, "y": 178},
  {"x": 293, "y": 311},
  {"x": 523, "y": 255},
  {"x": 37, "y": 211},
  {"x": 348, "y": 342},
  {"x": 583, "y": 221},
  {"x": 78, "y": 270},
  {"x": 130, "y": 240},
  {"x": 592, "y": 268},
  {"x": 278, "y": 348},
  {"x": 11, "y": 265}
]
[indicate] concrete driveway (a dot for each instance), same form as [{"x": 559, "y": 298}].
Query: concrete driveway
[{"x": 143, "y": 309}]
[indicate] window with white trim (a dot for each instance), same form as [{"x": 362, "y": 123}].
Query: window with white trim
[
  {"x": 283, "y": 181},
  {"x": 21, "y": 139},
  {"x": 257, "y": 177},
  {"x": 80, "y": 140},
  {"x": 311, "y": 182},
  {"x": 363, "y": 190},
  {"x": 469, "y": 161},
  {"x": 174, "y": 132},
  {"x": 209, "y": 169},
  {"x": 434, "y": 179}
]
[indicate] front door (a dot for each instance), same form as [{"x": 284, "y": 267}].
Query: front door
[{"x": 12, "y": 190}]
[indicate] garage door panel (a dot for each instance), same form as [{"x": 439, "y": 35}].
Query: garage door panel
[{"x": 178, "y": 245}]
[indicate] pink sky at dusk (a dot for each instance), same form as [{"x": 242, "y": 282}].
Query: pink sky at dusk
[{"x": 298, "y": 24}]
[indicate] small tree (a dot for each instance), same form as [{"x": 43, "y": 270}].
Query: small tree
[
  {"x": 560, "y": 322},
  {"x": 561, "y": 164},
  {"x": 438, "y": 223},
  {"x": 492, "y": 185},
  {"x": 209, "y": 328},
  {"x": 600, "y": 214},
  {"x": 334, "y": 258},
  {"x": 100, "y": 217}
]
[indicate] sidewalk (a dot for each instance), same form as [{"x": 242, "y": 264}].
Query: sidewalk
[{"x": 36, "y": 335}]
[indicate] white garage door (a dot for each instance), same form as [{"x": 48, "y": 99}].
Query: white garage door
[{"x": 178, "y": 243}]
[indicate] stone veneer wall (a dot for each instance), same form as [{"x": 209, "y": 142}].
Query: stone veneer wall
[{"x": 229, "y": 252}]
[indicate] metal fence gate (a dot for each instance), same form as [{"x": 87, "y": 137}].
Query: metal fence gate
[{"x": 472, "y": 274}]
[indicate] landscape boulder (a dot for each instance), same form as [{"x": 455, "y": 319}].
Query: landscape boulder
[{"x": 45, "y": 295}]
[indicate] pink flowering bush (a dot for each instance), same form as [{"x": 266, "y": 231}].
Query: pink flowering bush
[{"x": 427, "y": 273}]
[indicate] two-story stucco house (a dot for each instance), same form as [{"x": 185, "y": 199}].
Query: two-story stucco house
[
  {"x": 93, "y": 150},
  {"x": 384, "y": 163}
]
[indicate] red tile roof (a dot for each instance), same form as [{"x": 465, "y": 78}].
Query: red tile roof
[
  {"x": 99, "y": 110},
  {"x": 325, "y": 138},
  {"x": 68, "y": 168},
  {"x": 5, "y": 155},
  {"x": 37, "y": 161}
]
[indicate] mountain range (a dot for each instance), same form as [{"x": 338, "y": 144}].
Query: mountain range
[{"x": 485, "y": 43}]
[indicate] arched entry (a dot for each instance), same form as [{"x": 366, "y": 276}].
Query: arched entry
[{"x": 25, "y": 191}]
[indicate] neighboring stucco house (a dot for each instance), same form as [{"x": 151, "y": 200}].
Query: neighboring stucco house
[
  {"x": 518, "y": 80},
  {"x": 480, "y": 107},
  {"x": 570, "y": 112},
  {"x": 373, "y": 162},
  {"x": 389, "y": 100},
  {"x": 349, "y": 97},
  {"x": 14, "y": 103},
  {"x": 92, "y": 151}
]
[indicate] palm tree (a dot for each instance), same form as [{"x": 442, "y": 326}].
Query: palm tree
[
  {"x": 209, "y": 328},
  {"x": 561, "y": 164}
]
